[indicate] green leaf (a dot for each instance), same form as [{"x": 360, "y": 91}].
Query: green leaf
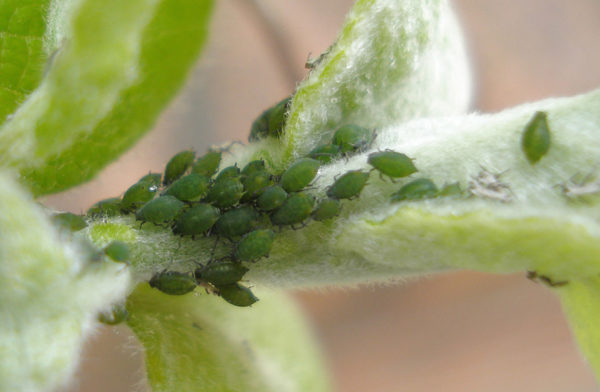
[
  {"x": 51, "y": 293},
  {"x": 120, "y": 63},
  {"x": 581, "y": 303},
  {"x": 22, "y": 52},
  {"x": 200, "y": 342},
  {"x": 393, "y": 61}
]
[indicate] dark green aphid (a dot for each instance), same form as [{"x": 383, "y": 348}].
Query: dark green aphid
[
  {"x": 348, "y": 185},
  {"x": 69, "y": 221},
  {"x": 173, "y": 283},
  {"x": 327, "y": 209},
  {"x": 137, "y": 195},
  {"x": 208, "y": 164},
  {"x": 422, "y": 188},
  {"x": 117, "y": 250},
  {"x": 270, "y": 122},
  {"x": 352, "y": 138},
  {"x": 299, "y": 174},
  {"x": 189, "y": 188},
  {"x": 178, "y": 165},
  {"x": 255, "y": 245},
  {"x": 220, "y": 274},
  {"x": 197, "y": 220},
  {"x": 254, "y": 185},
  {"x": 392, "y": 164},
  {"x": 225, "y": 193},
  {"x": 106, "y": 207},
  {"x": 116, "y": 315},
  {"x": 162, "y": 210},
  {"x": 295, "y": 209},
  {"x": 237, "y": 295},
  {"x": 228, "y": 172},
  {"x": 325, "y": 153},
  {"x": 253, "y": 167},
  {"x": 535, "y": 141},
  {"x": 236, "y": 222},
  {"x": 271, "y": 198},
  {"x": 152, "y": 178},
  {"x": 451, "y": 190}
]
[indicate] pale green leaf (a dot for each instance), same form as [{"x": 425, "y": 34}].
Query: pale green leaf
[
  {"x": 198, "y": 342},
  {"x": 50, "y": 293},
  {"x": 118, "y": 64}
]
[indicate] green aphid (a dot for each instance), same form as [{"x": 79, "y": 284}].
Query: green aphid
[
  {"x": 173, "y": 282},
  {"x": 325, "y": 153},
  {"x": 220, "y": 274},
  {"x": 451, "y": 190},
  {"x": 106, "y": 207},
  {"x": 253, "y": 167},
  {"x": 237, "y": 222},
  {"x": 254, "y": 185},
  {"x": 229, "y": 172},
  {"x": 237, "y": 295},
  {"x": 255, "y": 245},
  {"x": 535, "y": 141},
  {"x": 271, "y": 122},
  {"x": 117, "y": 251},
  {"x": 327, "y": 209},
  {"x": 352, "y": 138},
  {"x": 271, "y": 198},
  {"x": 225, "y": 192},
  {"x": 294, "y": 210},
  {"x": 69, "y": 221},
  {"x": 116, "y": 315},
  {"x": 299, "y": 174},
  {"x": 192, "y": 187},
  {"x": 152, "y": 178},
  {"x": 392, "y": 164},
  {"x": 422, "y": 188},
  {"x": 208, "y": 164},
  {"x": 348, "y": 185},
  {"x": 162, "y": 210},
  {"x": 178, "y": 165},
  {"x": 137, "y": 195},
  {"x": 197, "y": 220}
]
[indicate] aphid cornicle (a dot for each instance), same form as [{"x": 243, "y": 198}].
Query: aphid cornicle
[
  {"x": 220, "y": 274},
  {"x": 192, "y": 187},
  {"x": 392, "y": 164},
  {"x": 352, "y": 138},
  {"x": 117, "y": 251},
  {"x": 197, "y": 220},
  {"x": 106, "y": 207},
  {"x": 253, "y": 167},
  {"x": 254, "y": 185},
  {"x": 236, "y": 222},
  {"x": 422, "y": 188},
  {"x": 254, "y": 245},
  {"x": 237, "y": 295},
  {"x": 208, "y": 164},
  {"x": 162, "y": 210},
  {"x": 296, "y": 208},
  {"x": 325, "y": 153},
  {"x": 116, "y": 315},
  {"x": 271, "y": 198},
  {"x": 327, "y": 209},
  {"x": 535, "y": 140},
  {"x": 178, "y": 165},
  {"x": 271, "y": 122},
  {"x": 349, "y": 185},
  {"x": 69, "y": 221},
  {"x": 173, "y": 282},
  {"x": 299, "y": 174},
  {"x": 228, "y": 172},
  {"x": 225, "y": 193},
  {"x": 137, "y": 195}
]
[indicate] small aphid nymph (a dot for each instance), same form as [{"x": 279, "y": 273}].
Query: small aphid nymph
[
  {"x": 422, "y": 188},
  {"x": 392, "y": 164},
  {"x": 173, "y": 282},
  {"x": 162, "y": 210},
  {"x": 535, "y": 140},
  {"x": 348, "y": 185},
  {"x": 178, "y": 165},
  {"x": 299, "y": 174}
]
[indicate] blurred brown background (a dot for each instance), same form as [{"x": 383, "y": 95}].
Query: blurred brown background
[{"x": 457, "y": 332}]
